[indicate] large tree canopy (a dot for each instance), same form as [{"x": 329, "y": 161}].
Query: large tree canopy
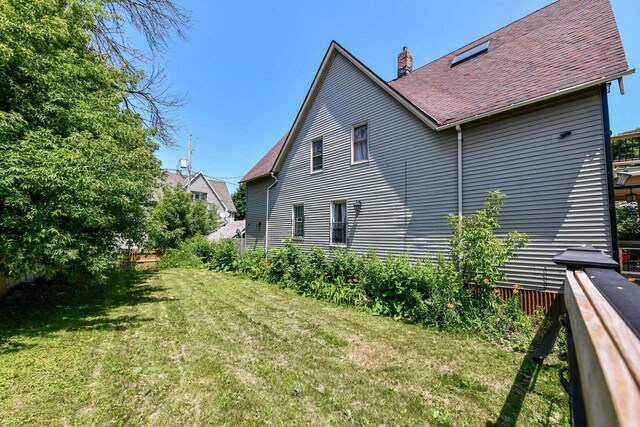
[{"x": 76, "y": 165}]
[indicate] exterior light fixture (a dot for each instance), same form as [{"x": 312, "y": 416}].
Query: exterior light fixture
[
  {"x": 357, "y": 206},
  {"x": 565, "y": 134},
  {"x": 631, "y": 197}
]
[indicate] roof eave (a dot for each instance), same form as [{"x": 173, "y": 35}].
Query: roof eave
[{"x": 545, "y": 97}]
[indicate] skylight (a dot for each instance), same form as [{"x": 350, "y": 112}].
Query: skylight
[{"x": 470, "y": 53}]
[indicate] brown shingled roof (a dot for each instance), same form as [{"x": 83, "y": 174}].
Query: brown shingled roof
[
  {"x": 565, "y": 44},
  {"x": 265, "y": 164}
]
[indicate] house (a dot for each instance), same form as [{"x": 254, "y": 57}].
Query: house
[
  {"x": 214, "y": 192},
  {"x": 370, "y": 163},
  {"x": 230, "y": 230}
]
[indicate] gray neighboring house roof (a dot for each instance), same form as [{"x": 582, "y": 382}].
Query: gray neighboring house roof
[
  {"x": 220, "y": 187},
  {"x": 228, "y": 230}
]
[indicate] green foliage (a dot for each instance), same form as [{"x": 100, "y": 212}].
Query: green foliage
[
  {"x": 224, "y": 256},
  {"x": 628, "y": 221},
  {"x": 176, "y": 218},
  {"x": 476, "y": 251},
  {"x": 75, "y": 167},
  {"x": 181, "y": 257},
  {"x": 239, "y": 198},
  {"x": 291, "y": 267},
  {"x": 253, "y": 263}
]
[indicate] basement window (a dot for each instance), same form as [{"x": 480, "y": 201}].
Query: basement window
[{"x": 470, "y": 53}]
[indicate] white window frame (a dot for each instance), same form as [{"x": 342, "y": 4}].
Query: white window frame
[
  {"x": 346, "y": 232},
  {"x": 199, "y": 194},
  {"x": 353, "y": 142},
  {"x": 321, "y": 139},
  {"x": 293, "y": 220}
]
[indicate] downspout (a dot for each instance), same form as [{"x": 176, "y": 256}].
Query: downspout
[
  {"x": 266, "y": 220},
  {"x": 459, "y": 130},
  {"x": 608, "y": 155}
]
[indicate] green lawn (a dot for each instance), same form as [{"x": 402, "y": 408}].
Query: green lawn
[{"x": 194, "y": 347}]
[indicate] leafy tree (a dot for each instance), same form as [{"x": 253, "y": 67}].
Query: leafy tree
[
  {"x": 476, "y": 250},
  {"x": 240, "y": 200},
  {"x": 628, "y": 221},
  {"x": 176, "y": 218},
  {"x": 76, "y": 165}
]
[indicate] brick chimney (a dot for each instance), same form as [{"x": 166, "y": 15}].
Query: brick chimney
[{"x": 405, "y": 62}]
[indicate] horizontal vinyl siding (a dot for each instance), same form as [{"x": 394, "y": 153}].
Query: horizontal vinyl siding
[
  {"x": 256, "y": 211},
  {"x": 556, "y": 187},
  {"x": 201, "y": 186},
  {"x": 407, "y": 188}
]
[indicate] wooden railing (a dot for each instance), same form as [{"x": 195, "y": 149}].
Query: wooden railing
[
  {"x": 607, "y": 353},
  {"x": 603, "y": 340}
]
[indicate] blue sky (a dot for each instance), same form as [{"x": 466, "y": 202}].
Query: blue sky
[{"x": 248, "y": 65}]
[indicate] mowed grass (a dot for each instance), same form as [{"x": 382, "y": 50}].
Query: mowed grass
[{"x": 194, "y": 347}]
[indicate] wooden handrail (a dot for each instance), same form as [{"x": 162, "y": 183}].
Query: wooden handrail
[
  {"x": 607, "y": 352},
  {"x": 624, "y": 136}
]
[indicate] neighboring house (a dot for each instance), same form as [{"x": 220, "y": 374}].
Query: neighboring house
[
  {"x": 230, "y": 230},
  {"x": 369, "y": 163},
  {"x": 214, "y": 192}
]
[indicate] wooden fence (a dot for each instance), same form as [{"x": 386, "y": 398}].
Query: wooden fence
[
  {"x": 142, "y": 258},
  {"x": 531, "y": 301}
]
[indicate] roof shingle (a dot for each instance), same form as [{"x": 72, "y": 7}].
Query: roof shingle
[
  {"x": 265, "y": 164},
  {"x": 563, "y": 45}
]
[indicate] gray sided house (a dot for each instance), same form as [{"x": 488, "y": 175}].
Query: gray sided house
[
  {"x": 212, "y": 191},
  {"x": 376, "y": 164}
]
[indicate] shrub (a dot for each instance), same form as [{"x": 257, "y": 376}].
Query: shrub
[
  {"x": 253, "y": 263},
  {"x": 200, "y": 247},
  {"x": 291, "y": 267},
  {"x": 475, "y": 249},
  {"x": 182, "y": 257},
  {"x": 175, "y": 218},
  {"x": 224, "y": 256},
  {"x": 346, "y": 265},
  {"x": 392, "y": 285},
  {"x": 446, "y": 301}
]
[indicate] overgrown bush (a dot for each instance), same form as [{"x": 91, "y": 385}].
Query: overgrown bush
[
  {"x": 181, "y": 257},
  {"x": 477, "y": 252},
  {"x": 176, "y": 218},
  {"x": 224, "y": 256},
  {"x": 253, "y": 264}
]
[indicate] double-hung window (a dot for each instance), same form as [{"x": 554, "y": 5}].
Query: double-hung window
[
  {"x": 339, "y": 223},
  {"x": 316, "y": 155},
  {"x": 360, "y": 143},
  {"x": 298, "y": 221},
  {"x": 198, "y": 195}
]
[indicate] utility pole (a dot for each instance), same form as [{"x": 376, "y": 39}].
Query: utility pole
[{"x": 189, "y": 151}]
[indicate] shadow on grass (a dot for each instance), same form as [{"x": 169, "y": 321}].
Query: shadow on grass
[
  {"x": 46, "y": 307},
  {"x": 525, "y": 383}
]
